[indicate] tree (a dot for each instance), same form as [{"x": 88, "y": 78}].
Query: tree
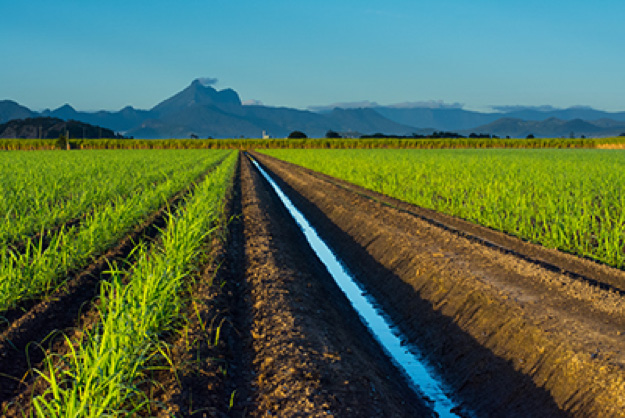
[
  {"x": 297, "y": 135},
  {"x": 530, "y": 136},
  {"x": 62, "y": 142},
  {"x": 332, "y": 134}
]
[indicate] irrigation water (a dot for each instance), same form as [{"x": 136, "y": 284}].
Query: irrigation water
[{"x": 405, "y": 356}]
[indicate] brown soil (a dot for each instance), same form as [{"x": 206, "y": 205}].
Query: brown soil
[
  {"x": 207, "y": 373},
  {"x": 289, "y": 343},
  {"x": 580, "y": 268},
  {"x": 510, "y": 333},
  {"x": 310, "y": 356}
]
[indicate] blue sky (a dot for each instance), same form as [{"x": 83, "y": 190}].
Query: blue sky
[{"x": 109, "y": 54}]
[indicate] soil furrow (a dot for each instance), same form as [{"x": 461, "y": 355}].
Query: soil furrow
[
  {"x": 207, "y": 374},
  {"x": 289, "y": 343},
  {"x": 309, "y": 354},
  {"x": 511, "y": 337}
]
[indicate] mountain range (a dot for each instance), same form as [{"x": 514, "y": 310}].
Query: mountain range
[{"x": 203, "y": 111}]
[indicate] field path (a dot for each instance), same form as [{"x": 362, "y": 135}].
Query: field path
[{"x": 310, "y": 356}]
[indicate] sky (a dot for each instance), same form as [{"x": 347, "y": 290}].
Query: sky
[{"x": 110, "y": 54}]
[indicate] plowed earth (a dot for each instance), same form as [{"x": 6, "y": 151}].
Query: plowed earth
[
  {"x": 518, "y": 330},
  {"x": 269, "y": 333},
  {"x": 289, "y": 343}
]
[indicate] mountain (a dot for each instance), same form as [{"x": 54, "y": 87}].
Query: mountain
[
  {"x": 438, "y": 119},
  {"x": 50, "y": 128},
  {"x": 551, "y": 127},
  {"x": 122, "y": 121},
  {"x": 12, "y": 110},
  {"x": 199, "y": 95},
  {"x": 583, "y": 113},
  {"x": 202, "y": 110},
  {"x": 367, "y": 121},
  {"x": 457, "y": 119}
]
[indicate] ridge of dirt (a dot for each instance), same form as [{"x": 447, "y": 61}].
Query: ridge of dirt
[
  {"x": 23, "y": 344},
  {"x": 510, "y": 336},
  {"x": 206, "y": 377},
  {"x": 278, "y": 353},
  {"x": 289, "y": 342},
  {"x": 310, "y": 354}
]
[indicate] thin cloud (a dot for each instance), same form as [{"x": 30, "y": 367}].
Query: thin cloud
[
  {"x": 252, "y": 102},
  {"x": 207, "y": 81}
]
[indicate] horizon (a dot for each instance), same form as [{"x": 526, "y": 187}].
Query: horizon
[
  {"x": 480, "y": 55},
  {"x": 430, "y": 104}
]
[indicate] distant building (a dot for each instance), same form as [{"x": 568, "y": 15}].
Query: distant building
[
  {"x": 266, "y": 136},
  {"x": 350, "y": 134}
]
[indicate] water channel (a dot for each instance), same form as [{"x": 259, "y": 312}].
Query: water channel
[{"x": 405, "y": 356}]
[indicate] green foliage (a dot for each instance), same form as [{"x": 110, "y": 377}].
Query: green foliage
[
  {"x": 573, "y": 200},
  {"x": 297, "y": 135},
  {"x": 339, "y": 143},
  {"x": 62, "y": 142},
  {"x": 110, "y": 193},
  {"x": 48, "y": 189},
  {"x": 102, "y": 374}
]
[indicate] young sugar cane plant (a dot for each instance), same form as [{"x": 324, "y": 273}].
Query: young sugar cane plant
[
  {"x": 38, "y": 271},
  {"x": 573, "y": 200},
  {"x": 101, "y": 374},
  {"x": 44, "y": 190}
]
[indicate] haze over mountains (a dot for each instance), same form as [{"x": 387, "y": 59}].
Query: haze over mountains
[{"x": 201, "y": 110}]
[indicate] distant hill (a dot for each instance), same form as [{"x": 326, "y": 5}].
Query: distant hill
[
  {"x": 11, "y": 110},
  {"x": 456, "y": 119},
  {"x": 50, "y": 128},
  {"x": 206, "y": 112},
  {"x": 572, "y": 113},
  {"x": 552, "y": 127},
  {"x": 438, "y": 119},
  {"x": 203, "y": 111},
  {"x": 120, "y": 121},
  {"x": 366, "y": 120}
]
